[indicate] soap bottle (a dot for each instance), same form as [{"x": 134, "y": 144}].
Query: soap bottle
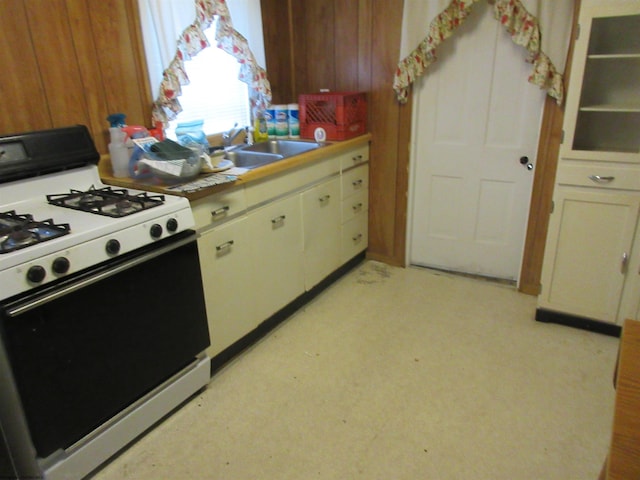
[{"x": 260, "y": 132}]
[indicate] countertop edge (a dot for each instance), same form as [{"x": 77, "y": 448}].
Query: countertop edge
[{"x": 332, "y": 148}]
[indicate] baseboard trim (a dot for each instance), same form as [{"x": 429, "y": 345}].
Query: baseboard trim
[
  {"x": 222, "y": 358},
  {"x": 548, "y": 316}
]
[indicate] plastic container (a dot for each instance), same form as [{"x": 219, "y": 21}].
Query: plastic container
[
  {"x": 342, "y": 115},
  {"x": 270, "y": 116},
  {"x": 282, "y": 121},
  {"x": 294, "y": 120},
  {"x": 119, "y": 153}
]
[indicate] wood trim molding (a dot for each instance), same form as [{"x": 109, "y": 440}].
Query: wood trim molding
[{"x": 543, "y": 182}]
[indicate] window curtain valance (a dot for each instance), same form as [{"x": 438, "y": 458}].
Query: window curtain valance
[
  {"x": 521, "y": 25},
  {"x": 190, "y": 42}
]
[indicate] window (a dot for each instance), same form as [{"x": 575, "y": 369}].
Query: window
[{"x": 214, "y": 93}]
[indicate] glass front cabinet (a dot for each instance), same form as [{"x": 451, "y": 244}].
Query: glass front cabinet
[{"x": 591, "y": 268}]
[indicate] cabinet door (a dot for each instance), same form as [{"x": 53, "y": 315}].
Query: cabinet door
[
  {"x": 603, "y": 101},
  {"x": 275, "y": 231},
  {"x": 588, "y": 249},
  {"x": 228, "y": 276},
  {"x": 321, "y": 215}
]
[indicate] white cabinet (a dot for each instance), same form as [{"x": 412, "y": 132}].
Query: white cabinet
[
  {"x": 355, "y": 211},
  {"x": 264, "y": 244},
  {"x": 228, "y": 278},
  {"x": 592, "y": 256},
  {"x": 275, "y": 231},
  {"x": 591, "y": 235},
  {"x": 321, "y": 212}
]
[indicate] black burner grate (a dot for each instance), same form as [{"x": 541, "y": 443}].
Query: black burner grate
[
  {"x": 107, "y": 201},
  {"x": 20, "y": 231}
]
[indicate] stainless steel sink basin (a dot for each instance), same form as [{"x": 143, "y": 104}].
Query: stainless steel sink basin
[
  {"x": 286, "y": 148},
  {"x": 264, "y": 153},
  {"x": 244, "y": 159}
]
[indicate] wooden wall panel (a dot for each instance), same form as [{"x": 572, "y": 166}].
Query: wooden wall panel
[
  {"x": 71, "y": 62},
  {"x": 345, "y": 45},
  {"x": 115, "y": 54},
  {"x": 24, "y": 104},
  {"x": 57, "y": 62},
  {"x": 90, "y": 74},
  {"x": 319, "y": 55},
  {"x": 276, "y": 29},
  {"x": 385, "y": 116}
]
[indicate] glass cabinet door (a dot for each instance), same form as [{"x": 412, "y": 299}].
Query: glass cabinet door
[{"x": 607, "y": 104}]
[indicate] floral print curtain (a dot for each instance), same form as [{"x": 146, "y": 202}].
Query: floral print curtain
[
  {"x": 193, "y": 39},
  {"x": 519, "y": 23}
]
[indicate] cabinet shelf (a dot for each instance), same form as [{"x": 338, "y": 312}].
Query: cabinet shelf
[
  {"x": 614, "y": 56},
  {"x": 611, "y": 108}
]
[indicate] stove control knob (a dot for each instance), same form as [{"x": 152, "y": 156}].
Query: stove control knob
[
  {"x": 172, "y": 224},
  {"x": 112, "y": 247},
  {"x": 156, "y": 230},
  {"x": 60, "y": 265},
  {"x": 36, "y": 274}
]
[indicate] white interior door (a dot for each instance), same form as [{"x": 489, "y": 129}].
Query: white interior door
[{"x": 475, "y": 117}]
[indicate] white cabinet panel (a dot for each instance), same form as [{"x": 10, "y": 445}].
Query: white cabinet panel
[
  {"x": 276, "y": 236},
  {"x": 228, "y": 275},
  {"x": 321, "y": 213},
  {"x": 590, "y": 242},
  {"x": 218, "y": 208}
]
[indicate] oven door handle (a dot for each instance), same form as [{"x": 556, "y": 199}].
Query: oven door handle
[{"x": 89, "y": 278}]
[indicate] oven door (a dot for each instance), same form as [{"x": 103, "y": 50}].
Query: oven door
[{"x": 85, "y": 348}]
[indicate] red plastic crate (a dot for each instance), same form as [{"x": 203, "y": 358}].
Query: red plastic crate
[{"x": 343, "y": 115}]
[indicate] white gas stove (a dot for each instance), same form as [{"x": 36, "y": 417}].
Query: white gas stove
[
  {"x": 97, "y": 342},
  {"x": 85, "y": 222}
]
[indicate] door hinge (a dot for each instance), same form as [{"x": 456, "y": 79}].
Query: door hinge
[
  {"x": 577, "y": 31},
  {"x": 553, "y": 206},
  {"x": 562, "y": 137}
]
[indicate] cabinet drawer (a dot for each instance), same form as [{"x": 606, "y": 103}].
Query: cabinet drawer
[
  {"x": 354, "y": 181},
  {"x": 276, "y": 186},
  {"x": 354, "y": 237},
  {"x": 355, "y": 205},
  {"x": 217, "y": 208},
  {"x": 354, "y": 158},
  {"x": 623, "y": 177}
]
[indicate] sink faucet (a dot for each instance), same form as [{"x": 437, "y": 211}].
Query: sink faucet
[{"x": 230, "y": 136}]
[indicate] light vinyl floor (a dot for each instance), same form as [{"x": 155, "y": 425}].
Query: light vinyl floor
[{"x": 396, "y": 373}]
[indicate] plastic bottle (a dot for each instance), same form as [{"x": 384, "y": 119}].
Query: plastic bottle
[
  {"x": 118, "y": 152},
  {"x": 260, "y": 130}
]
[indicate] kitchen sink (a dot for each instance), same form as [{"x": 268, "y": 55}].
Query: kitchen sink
[
  {"x": 286, "y": 148},
  {"x": 247, "y": 159},
  {"x": 264, "y": 153}
]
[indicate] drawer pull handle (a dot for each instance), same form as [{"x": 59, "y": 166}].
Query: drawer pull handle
[
  {"x": 601, "y": 179},
  {"x": 356, "y": 238},
  {"x": 324, "y": 199},
  {"x": 357, "y": 206},
  {"x": 224, "y": 246},
  {"x": 357, "y": 183},
  {"x": 624, "y": 262},
  {"x": 220, "y": 211},
  {"x": 357, "y": 158},
  {"x": 278, "y": 219}
]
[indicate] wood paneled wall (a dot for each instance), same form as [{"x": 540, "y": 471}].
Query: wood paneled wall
[{"x": 69, "y": 62}]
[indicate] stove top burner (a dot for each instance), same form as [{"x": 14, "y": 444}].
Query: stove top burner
[
  {"x": 108, "y": 201},
  {"x": 20, "y": 231}
]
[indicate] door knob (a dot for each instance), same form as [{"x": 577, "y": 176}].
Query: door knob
[{"x": 526, "y": 163}]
